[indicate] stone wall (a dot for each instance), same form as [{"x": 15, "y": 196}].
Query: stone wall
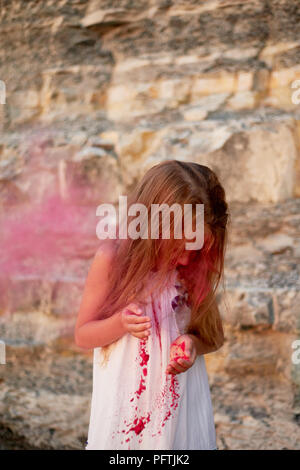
[{"x": 96, "y": 93}]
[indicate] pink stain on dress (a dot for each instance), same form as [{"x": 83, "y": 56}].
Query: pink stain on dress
[
  {"x": 139, "y": 422},
  {"x": 149, "y": 406},
  {"x": 157, "y": 326}
]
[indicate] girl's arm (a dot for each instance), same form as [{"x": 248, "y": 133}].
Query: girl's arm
[
  {"x": 90, "y": 332},
  {"x": 185, "y": 349}
]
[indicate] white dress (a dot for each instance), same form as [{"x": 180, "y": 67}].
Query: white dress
[{"x": 135, "y": 404}]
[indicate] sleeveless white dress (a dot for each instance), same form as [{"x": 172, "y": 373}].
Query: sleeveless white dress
[{"x": 135, "y": 404}]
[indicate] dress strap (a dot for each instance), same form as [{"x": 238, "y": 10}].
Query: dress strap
[{"x": 182, "y": 297}]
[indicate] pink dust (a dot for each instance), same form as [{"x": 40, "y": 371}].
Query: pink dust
[{"x": 35, "y": 238}]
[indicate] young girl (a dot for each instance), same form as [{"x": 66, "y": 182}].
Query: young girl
[{"x": 150, "y": 314}]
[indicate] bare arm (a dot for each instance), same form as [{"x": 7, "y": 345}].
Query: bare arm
[{"x": 90, "y": 331}]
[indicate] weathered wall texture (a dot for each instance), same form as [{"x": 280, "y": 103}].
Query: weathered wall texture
[{"x": 99, "y": 91}]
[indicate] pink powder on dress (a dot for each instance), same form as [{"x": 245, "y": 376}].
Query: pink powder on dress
[
  {"x": 169, "y": 392},
  {"x": 139, "y": 422},
  {"x": 157, "y": 326},
  {"x": 144, "y": 357}
]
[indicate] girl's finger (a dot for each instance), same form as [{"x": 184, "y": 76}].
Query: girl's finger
[
  {"x": 132, "y": 318},
  {"x": 171, "y": 370}
]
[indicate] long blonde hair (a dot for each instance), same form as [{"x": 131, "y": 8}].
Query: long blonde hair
[{"x": 170, "y": 182}]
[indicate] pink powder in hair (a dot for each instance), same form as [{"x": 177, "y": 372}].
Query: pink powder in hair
[{"x": 157, "y": 326}]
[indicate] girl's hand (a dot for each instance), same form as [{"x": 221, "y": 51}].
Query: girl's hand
[
  {"x": 183, "y": 354},
  {"x": 134, "y": 323}
]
